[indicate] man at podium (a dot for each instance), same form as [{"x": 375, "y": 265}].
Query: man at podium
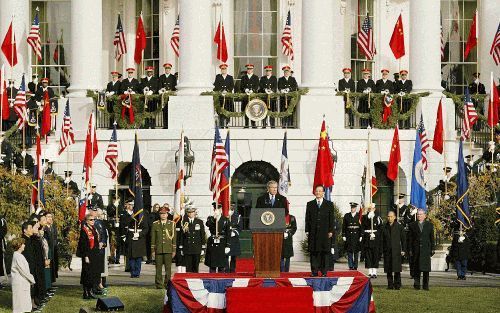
[{"x": 271, "y": 199}]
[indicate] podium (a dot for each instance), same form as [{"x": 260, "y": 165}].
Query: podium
[{"x": 267, "y": 226}]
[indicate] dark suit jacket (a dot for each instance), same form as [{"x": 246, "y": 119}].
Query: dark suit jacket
[
  {"x": 169, "y": 83},
  {"x": 116, "y": 87},
  {"x": 389, "y": 85},
  {"x": 40, "y": 93},
  {"x": 405, "y": 87},
  {"x": 362, "y": 85},
  {"x": 152, "y": 83},
  {"x": 343, "y": 85},
  {"x": 249, "y": 83},
  {"x": 268, "y": 83},
  {"x": 264, "y": 201},
  {"x": 475, "y": 88},
  {"x": 133, "y": 84},
  {"x": 289, "y": 83},
  {"x": 319, "y": 222},
  {"x": 221, "y": 83}
]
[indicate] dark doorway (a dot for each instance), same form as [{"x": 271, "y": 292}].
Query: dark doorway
[
  {"x": 123, "y": 183},
  {"x": 383, "y": 199}
]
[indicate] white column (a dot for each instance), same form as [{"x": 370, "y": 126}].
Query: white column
[
  {"x": 129, "y": 24},
  {"x": 320, "y": 43},
  {"x": 489, "y": 12},
  {"x": 425, "y": 45},
  {"x": 21, "y": 11},
  {"x": 195, "y": 46},
  {"x": 86, "y": 46}
]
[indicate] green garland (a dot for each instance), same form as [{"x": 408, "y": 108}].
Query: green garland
[
  {"x": 377, "y": 107},
  {"x": 293, "y": 100},
  {"x": 138, "y": 106},
  {"x": 458, "y": 100}
]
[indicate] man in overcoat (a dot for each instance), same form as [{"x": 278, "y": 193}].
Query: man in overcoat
[
  {"x": 394, "y": 247},
  {"x": 422, "y": 248}
]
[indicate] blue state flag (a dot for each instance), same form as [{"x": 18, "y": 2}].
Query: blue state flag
[
  {"x": 135, "y": 187},
  {"x": 462, "y": 205},
  {"x": 418, "y": 192}
]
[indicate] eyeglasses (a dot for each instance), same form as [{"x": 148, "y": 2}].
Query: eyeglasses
[{"x": 92, "y": 219}]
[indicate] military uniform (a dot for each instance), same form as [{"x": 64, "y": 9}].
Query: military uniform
[
  {"x": 422, "y": 249},
  {"x": 351, "y": 231},
  {"x": 224, "y": 84},
  {"x": 286, "y": 83},
  {"x": 366, "y": 86},
  {"x": 460, "y": 251},
  {"x": 125, "y": 219},
  {"x": 180, "y": 261},
  {"x": 251, "y": 83},
  {"x": 235, "y": 226},
  {"x": 129, "y": 83},
  {"x": 372, "y": 243},
  {"x": 95, "y": 200},
  {"x": 217, "y": 243},
  {"x": 405, "y": 219},
  {"x": 136, "y": 244},
  {"x": 287, "y": 246},
  {"x": 11, "y": 96},
  {"x": 169, "y": 83},
  {"x": 393, "y": 243},
  {"x": 403, "y": 86},
  {"x": 163, "y": 242},
  {"x": 346, "y": 84},
  {"x": 269, "y": 83},
  {"x": 153, "y": 85},
  {"x": 384, "y": 84},
  {"x": 193, "y": 242},
  {"x": 114, "y": 87}
]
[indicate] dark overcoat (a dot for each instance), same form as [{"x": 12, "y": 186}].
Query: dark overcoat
[
  {"x": 351, "y": 230},
  {"x": 422, "y": 245},
  {"x": 287, "y": 247},
  {"x": 393, "y": 243},
  {"x": 216, "y": 256},
  {"x": 319, "y": 222}
]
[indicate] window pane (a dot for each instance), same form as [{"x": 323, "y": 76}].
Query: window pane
[
  {"x": 240, "y": 22},
  {"x": 269, "y": 22},
  {"x": 254, "y": 45},
  {"x": 269, "y": 45},
  {"x": 254, "y": 22},
  {"x": 240, "y": 45},
  {"x": 269, "y": 5},
  {"x": 254, "y": 5}
]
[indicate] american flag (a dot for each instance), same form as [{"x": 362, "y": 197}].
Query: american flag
[
  {"x": 34, "y": 37},
  {"x": 365, "y": 38},
  {"x": 424, "y": 142},
  {"x": 219, "y": 164},
  {"x": 495, "y": 47},
  {"x": 112, "y": 153},
  {"x": 286, "y": 38},
  {"x": 174, "y": 40},
  {"x": 119, "y": 41},
  {"x": 470, "y": 116},
  {"x": 443, "y": 44},
  {"x": 20, "y": 105},
  {"x": 67, "y": 134}
]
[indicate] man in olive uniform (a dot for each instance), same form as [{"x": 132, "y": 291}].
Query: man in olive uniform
[
  {"x": 384, "y": 85},
  {"x": 319, "y": 226},
  {"x": 150, "y": 86},
  {"x": 269, "y": 84},
  {"x": 95, "y": 198},
  {"x": 249, "y": 83},
  {"x": 193, "y": 243},
  {"x": 403, "y": 87},
  {"x": 346, "y": 83},
  {"x": 421, "y": 248},
  {"x": 168, "y": 81},
  {"x": 286, "y": 84},
  {"x": 235, "y": 226},
  {"x": 372, "y": 239},
  {"x": 367, "y": 86},
  {"x": 70, "y": 184},
  {"x": 224, "y": 83},
  {"x": 163, "y": 239},
  {"x": 218, "y": 244},
  {"x": 460, "y": 250},
  {"x": 394, "y": 247},
  {"x": 130, "y": 85},
  {"x": 351, "y": 235}
]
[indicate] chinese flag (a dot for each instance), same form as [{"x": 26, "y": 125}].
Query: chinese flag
[
  {"x": 140, "y": 41},
  {"x": 493, "y": 107},
  {"x": 397, "y": 42},
  {"x": 395, "y": 157},
  {"x": 4, "y": 99},
  {"x": 91, "y": 148},
  {"x": 9, "y": 46},
  {"x": 220, "y": 40},
  {"x": 472, "y": 39},
  {"x": 438, "y": 142},
  {"x": 324, "y": 162},
  {"x": 46, "y": 118}
]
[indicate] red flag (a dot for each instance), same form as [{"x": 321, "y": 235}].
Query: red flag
[
  {"x": 438, "y": 142},
  {"x": 46, "y": 118},
  {"x": 397, "y": 42},
  {"x": 324, "y": 162},
  {"x": 91, "y": 148},
  {"x": 127, "y": 107},
  {"x": 394, "y": 157},
  {"x": 493, "y": 106},
  {"x": 140, "y": 41},
  {"x": 4, "y": 98},
  {"x": 220, "y": 40},
  {"x": 9, "y": 47},
  {"x": 472, "y": 39}
]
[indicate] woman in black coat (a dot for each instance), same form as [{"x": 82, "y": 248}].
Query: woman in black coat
[
  {"x": 287, "y": 247},
  {"x": 88, "y": 250}
]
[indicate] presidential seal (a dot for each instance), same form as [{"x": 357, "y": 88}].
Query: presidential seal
[
  {"x": 267, "y": 218},
  {"x": 256, "y": 110}
]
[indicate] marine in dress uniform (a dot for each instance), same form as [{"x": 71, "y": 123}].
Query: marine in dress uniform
[
  {"x": 163, "y": 243},
  {"x": 287, "y": 247},
  {"x": 150, "y": 85},
  {"x": 460, "y": 250},
  {"x": 271, "y": 199},
  {"x": 129, "y": 85},
  {"x": 372, "y": 239},
  {"x": 224, "y": 83},
  {"x": 168, "y": 82},
  {"x": 193, "y": 240},
  {"x": 286, "y": 84},
  {"x": 179, "y": 259},
  {"x": 218, "y": 244},
  {"x": 446, "y": 185},
  {"x": 351, "y": 235},
  {"x": 269, "y": 84},
  {"x": 249, "y": 83},
  {"x": 394, "y": 247},
  {"x": 235, "y": 227},
  {"x": 95, "y": 198},
  {"x": 88, "y": 250},
  {"x": 319, "y": 226},
  {"x": 367, "y": 86},
  {"x": 403, "y": 87},
  {"x": 346, "y": 83},
  {"x": 421, "y": 248},
  {"x": 384, "y": 84}
]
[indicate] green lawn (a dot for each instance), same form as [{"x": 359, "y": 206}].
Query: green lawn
[{"x": 149, "y": 300}]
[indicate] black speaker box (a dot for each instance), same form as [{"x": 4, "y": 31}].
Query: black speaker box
[{"x": 109, "y": 304}]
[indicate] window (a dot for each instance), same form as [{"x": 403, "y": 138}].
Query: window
[
  {"x": 456, "y": 19},
  {"x": 358, "y": 59},
  {"x": 55, "y": 32},
  {"x": 255, "y": 34},
  {"x": 150, "y": 13}
]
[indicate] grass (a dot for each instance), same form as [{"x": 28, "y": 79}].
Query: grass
[{"x": 138, "y": 299}]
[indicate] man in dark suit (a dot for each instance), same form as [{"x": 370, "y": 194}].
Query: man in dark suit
[
  {"x": 269, "y": 84},
  {"x": 367, "y": 86},
  {"x": 422, "y": 248},
  {"x": 394, "y": 247},
  {"x": 384, "y": 84},
  {"x": 224, "y": 83},
  {"x": 346, "y": 83},
  {"x": 271, "y": 199},
  {"x": 130, "y": 85},
  {"x": 476, "y": 87},
  {"x": 319, "y": 227},
  {"x": 114, "y": 86},
  {"x": 286, "y": 84},
  {"x": 168, "y": 81},
  {"x": 249, "y": 83}
]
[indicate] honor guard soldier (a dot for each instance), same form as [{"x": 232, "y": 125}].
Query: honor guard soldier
[
  {"x": 193, "y": 240},
  {"x": 367, "y": 86},
  {"x": 224, "y": 83},
  {"x": 403, "y": 87},
  {"x": 346, "y": 83},
  {"x": 218, "y": 244},
  {"x": 287, "y": 246},
  {"x": 125, "y": 219},
  {"x": 460, "y": 250},
  {"x": 168, "y": 81},
  {"x": 114, "y": 86},
  {"x": 95, "y": 198},
  {"x": 476, "y": 87},
  {"x": 394, "y": 247},
  {"x": 492, "y": 154},
  {"x": 271, "y": 199},
  {"x": 42, "y": 89},
  {"x": 33, "y": 85},
  {"x": 130, "y": 85},
  {"x": 249, "y": 83},
  {"x": 421, "y": 248},
  {"x": 384, "y": 85},
  {"x": 11, "y": 97},
  {"x": 372, "y": 239},
  {"x": 70, "y": 184},
  {"x": 269, "y": 84},
  {"x": 351, "y": 235},
  {"x": 446, "y": 185},
  {"x": 163, "y": 244},
  {"x": 138, "y": 229},
  {"x": 180, "y": 261},
  {"x": 286, "y": 84},
  {"x": 149, "y": 86},
  {"x": 235, "y": 227}
]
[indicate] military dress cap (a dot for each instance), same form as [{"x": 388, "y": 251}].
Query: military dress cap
[
  {"x": 447, "y": 169},
  {"x": 167, "y": 65},
  {"x": 68, "y": 173},
  {"x": 268, "y": 67},
  {"x": 223, "y": 65},
  {"x": 401, "y": 196},
  {"x": 190, "y": 210},
  {"x": 384, "y": 70},
  {"x": 353, "y": 204},
  {"x": 476, "y": 74},
  {"x": 150, "y": 68},
  {"x": 249, "y": 66},
  {"x": 114, "y": 73},
  {"x": 469, "y": 157},
  {"x": 366, "y": 70},
  {"x": 346, "y": 70},
  {"x": 163, "y": 210},
  {"x": 45, "y": 80},
  {"x": 286, "y": 68},
  {"x": 403, "y": 72},
  {"x": 34, "y": 75},
  {"x": 130, "y": 70},
  {"x": 131, "y": 202},
  {"x": 93, "y": 185}
]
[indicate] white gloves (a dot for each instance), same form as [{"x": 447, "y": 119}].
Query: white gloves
[
  {"x": 491, "y": 146},
  {"x": 90, "y": 196},
  {"x": 111, "y": 93},
  {"x": 224, "y": 92},
  {"x": 162, "y": 91},
  {"x": 269, "y": 91},
  {"x": 367, "y": 90},
  {"x": 233, "y": 234},
  {"x": 372, "y": 236},
  {"x": 285, "y": 235},
  {"x": 461, "y": 239},
  {"x": 401, "y": 93},
  {"x": 182, "y": 252},
  {"x": 414, "y": 211},
  {"x": 67, "y": 180},
  {"x": 344, "y": 238},
  {"x": 371, "y": 215},
  {"x": 202, "y": 252},
  {"x": 360, "y": 239},
  {"x": 333, "y": 251},
  {"x": 248, "y": 91},
  {"x": 286, "y": 90},
  {"x": 226, "y": 250}
]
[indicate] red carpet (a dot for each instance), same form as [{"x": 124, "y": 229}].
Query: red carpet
[{"x": 245, "y": 265}]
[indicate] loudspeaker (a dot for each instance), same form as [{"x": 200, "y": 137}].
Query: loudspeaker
[
  {"x": 109, "y": 304},
  {"x": 85, "y": 310}
]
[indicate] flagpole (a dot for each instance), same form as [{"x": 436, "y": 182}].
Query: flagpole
[
  {"x": 39, "y": 158},
  {"x": 12, "y": 50},
  {"x": 492, "y": 85},
  {"x": 397, "y": 191},
  {"x": 444, "y": 152},
  {"x": 67, "y": 170}
]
